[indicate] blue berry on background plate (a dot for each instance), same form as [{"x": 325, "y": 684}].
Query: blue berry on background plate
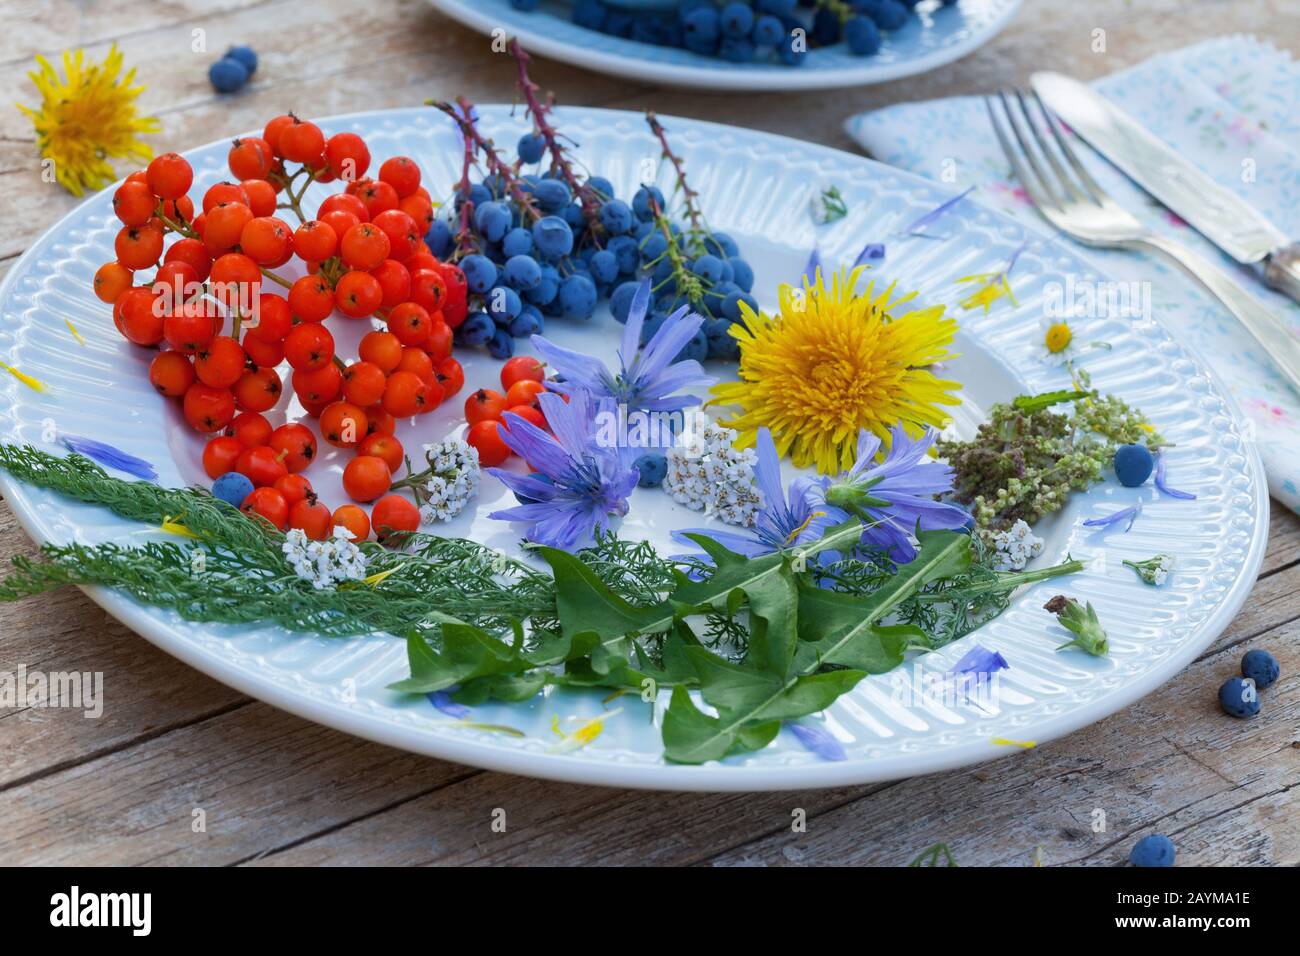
[
  {"x": 1238, "y": 697},
  {"x": 245, "y": 55},
  {"x": 1133, "y": 465},
  {"x": 1154, "y": 850},
  {"x": 736, "y": 20},
  {"x": 652, "y": 466},
  {"x": 531, "y": 145},
  {"x": 862, "y": 36},
  {"x": 590, "y": 14},
  {"x": 232, "y": 488},
  {"x": 768, "y": 30},
  {"x": 227, "y": 75},
  {"x": 889, "y": 14},
  {"x": 1261, "y": 667}
]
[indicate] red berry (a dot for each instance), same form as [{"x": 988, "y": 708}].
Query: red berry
[
  {"x": 486, "y": 438},
  {"x": 521, "y": 368},
  {"x": 269, "y": 504},
  {"x": 171, "y": 373},
  {"x": 394, "y": 513},
  {"x": 220, "y": 455},
  {"x": 296, "y": 444},
  {"x": 169, "y": 176},
  {"x": 485, "y": 405},
  {"x": 366, "y": 477}
]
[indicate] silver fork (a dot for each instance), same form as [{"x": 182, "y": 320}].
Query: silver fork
[{"x": 1074, "y": 203}]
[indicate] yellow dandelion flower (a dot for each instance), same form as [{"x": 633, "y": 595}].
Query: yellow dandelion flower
[
  {"x": 833, "y": 362},
  {"x": 87, "y": 117}
]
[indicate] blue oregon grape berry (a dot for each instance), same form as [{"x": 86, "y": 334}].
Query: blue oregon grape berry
[
  {"x": 741, "y": 273},
  {"x": 517, "y": 242},
  {"x": 652, "y": 468},
  {"x": 736, "y": 50},
  {"x": 476, "y": 329},
  {"x": 697, "y": 348},
  {"x": 620, "y": 302},
  {"x": 652, "y": 325},
  {"x": 616, "y": 216},
  {"x": 501, "y": 345},
  {"x": 232, "y": 488},
  {"x": 531, "y": 145},
  {"x": 641, "y": 202},
  {"x": 701, "y": 23},
  {"x": 552, "y": 195},
  {"x": 1261, "y": 667},
  {"x": 778, "y": 8},
  {"x": 546, "y": 290},
  {"x": 492, "y": 220},
  {"x": 577, "y": 297},
  {"x": 708, "y": 267},
  {"x": 731, "y": 305},
  {"x": 503, "y": 304},
  {"x": 826, "y": 26},
  {"x": 721, "y": 344},
  {"x": 626, "y": 253},
  {"x": 604, "y": 266},
  {"x": 889, "y": 14},
  {"x": 601, "y": 186},
  {"x": 736, "y": 20},
  {"x": 480, "y": 272},
  {"x": 768, "y": 31},
  {"x": 439, "y": 239},
  {"x": 653, "y": 247},
  {"x": 528, "y": 323},
  {"x": 553, "y": 237},
  {"x": 590, "y": 14},
  {"x": 522, "y": 272},
  {"x": 862, "y": 36}
]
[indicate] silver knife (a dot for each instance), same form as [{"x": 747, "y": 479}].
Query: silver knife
[{"x": 1215, "y": 212}]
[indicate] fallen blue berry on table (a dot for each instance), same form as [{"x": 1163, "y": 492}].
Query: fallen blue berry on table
[
  {"x": 1238, "y": 697},
  {"x": 245, "y": 55},
  {"x": 1261, "y": 667},
  {"x": 1133, "y": 464},
  {"x": 232, "y": 488},
  {"x": 227, "y": 75},
  {"x": 653, "y": 466},
  {"x": 1154, "y": 850}
]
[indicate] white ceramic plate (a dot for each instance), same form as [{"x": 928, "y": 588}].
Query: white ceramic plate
[
  {"x": 756, "y": 187},
  {"x": 933, "y": 37}
]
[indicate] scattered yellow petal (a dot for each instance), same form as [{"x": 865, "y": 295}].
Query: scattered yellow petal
[
  {"x": 585, "y": 734},
  {"x": 34, "y": 384},
  {"x": 374, "y": 579},
  {"x": 75, "y": 334},
  {"x": 994, "y": 286},
  {"x": 1005, "y": 742},
  {"x": 172, "y": 525}
]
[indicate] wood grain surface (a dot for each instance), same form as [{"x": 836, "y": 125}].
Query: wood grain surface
[{"x": 174, "y": 748}]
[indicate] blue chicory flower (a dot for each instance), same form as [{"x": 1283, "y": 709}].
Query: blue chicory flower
[
  {"x": 819, "y": 741},
  {"x": 647, "y": 377},
  {"x": 580, "y": 481},
  {"x": 784, "y": 520},
  {"x": 1130, "y": 514},
  {"x": 914, "y": 228},
  {"x": 1163, "y": 487},
  {"x": 112, "y": 457},
  {"x": 441, "y": 699},
  {"x": 894, "y": 498}
]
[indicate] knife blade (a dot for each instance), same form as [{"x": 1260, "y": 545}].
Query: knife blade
[{"x": 1217, "y": 213}]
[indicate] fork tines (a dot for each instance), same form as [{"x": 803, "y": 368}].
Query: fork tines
[{"x": 1038, "y": 153}]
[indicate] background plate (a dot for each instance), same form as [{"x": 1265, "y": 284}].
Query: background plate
[
  {"x": 756, "y": 187},
  {"x": 935, "y": 36}
]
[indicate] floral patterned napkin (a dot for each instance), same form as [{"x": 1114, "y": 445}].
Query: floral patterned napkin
[{"x": 1230, "y": 105}]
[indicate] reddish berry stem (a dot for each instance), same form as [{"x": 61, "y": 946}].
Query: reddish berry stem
[
  {"x": 496, "y": 166},
  {"x": 689, "y": 195}
]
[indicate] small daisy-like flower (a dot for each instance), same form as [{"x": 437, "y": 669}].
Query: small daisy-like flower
[
  {"x": 712, "y": 475},
  {"x": 87, "y": 117},
  {"x": 1154, "y": 570},
  {"x": 325, "y": 563},
  {"x": 1056, "y": 342}
]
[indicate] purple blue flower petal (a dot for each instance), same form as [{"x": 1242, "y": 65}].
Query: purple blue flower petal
[
  {"x": 441, "y": 699},
  {"x": 1128, "y": 514},
  {"x": 112, "y": 457},
  {"x": 819, "y": 741},
  {"x": 913, "y": 228},
  {"x": 1162, "y": 485}
]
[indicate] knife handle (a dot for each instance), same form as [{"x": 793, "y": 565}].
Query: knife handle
[
  {"x": 1277, "y": 341},
  {"x": 1282, "y": 271}
]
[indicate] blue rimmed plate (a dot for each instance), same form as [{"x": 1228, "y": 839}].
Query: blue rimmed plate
[
  {"x": 935, "y": 36},
  {"x": 756, "y": 187}
]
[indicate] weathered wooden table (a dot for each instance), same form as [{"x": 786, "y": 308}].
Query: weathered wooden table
[{"x": 125, "y": 788}]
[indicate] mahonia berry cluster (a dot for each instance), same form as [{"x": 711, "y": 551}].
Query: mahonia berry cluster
[{"x": 195, "y": 284}]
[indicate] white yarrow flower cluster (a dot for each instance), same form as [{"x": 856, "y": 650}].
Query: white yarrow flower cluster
[
  {"x": 454, "y": 481},
  {"x": 1015, "y": 547},
  {"x": 1155, "y": 570},
  {"x": 324, "y": 563},
  {"x": 711, "y": 475}
]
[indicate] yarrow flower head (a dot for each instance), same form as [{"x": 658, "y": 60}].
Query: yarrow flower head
[
  {"x": 1154, "y": 570},
  {"x": 893, "y": 498},
  {"x": 831, "y": 363},
  {"x": 324, "y": 563},
  {"x": 647, "y": 378},
  {"x": 1015, "y": 547},
  {"x": 712, "y": 475},
  {"x": 579, "y": 482},
  {"x": 449, "y": 481},
  {"x": 783, "y": 520},
  {"x": 87, "y": 117}
]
